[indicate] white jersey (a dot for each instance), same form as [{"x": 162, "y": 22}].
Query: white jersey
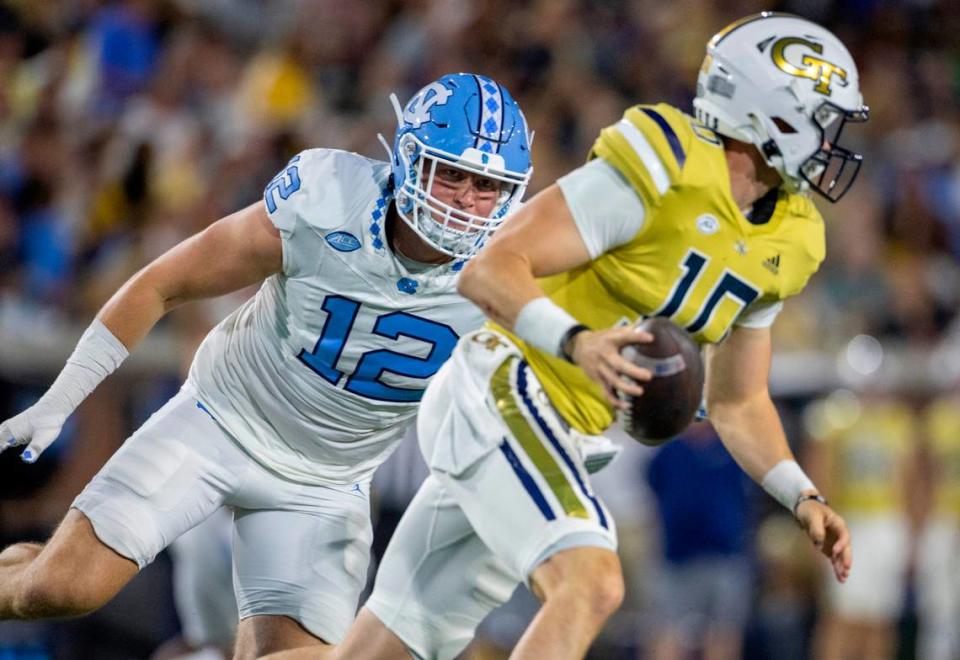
[{"x": 320, "y": 372}]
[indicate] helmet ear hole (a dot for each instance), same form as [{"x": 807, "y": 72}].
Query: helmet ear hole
[{"x": 783, "y": 125}]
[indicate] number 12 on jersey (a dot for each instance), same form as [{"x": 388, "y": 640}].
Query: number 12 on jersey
[
  {"x": 366, "y": 377},
  {"x": 284, "y": 184}
]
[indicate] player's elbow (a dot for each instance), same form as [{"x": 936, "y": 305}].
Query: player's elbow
[{"x": 148, "y": 288}]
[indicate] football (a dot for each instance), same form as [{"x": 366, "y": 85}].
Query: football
[{"x": 671, "y": 399}]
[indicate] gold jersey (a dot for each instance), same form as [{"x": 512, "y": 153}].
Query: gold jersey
[
  {"x": 941, "y": 422},
  {"x": 867, "y": 458},
  {"x": 696, "y": 258}
]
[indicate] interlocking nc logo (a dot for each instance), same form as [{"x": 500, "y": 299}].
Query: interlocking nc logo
[
  {"x": 418, "y": 110},
  {"x": 820, "y": 71}
]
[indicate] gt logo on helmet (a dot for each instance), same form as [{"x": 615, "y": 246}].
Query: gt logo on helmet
[
  {"x": 820, "y": 71},
  {"x": 418, "y": 110}
]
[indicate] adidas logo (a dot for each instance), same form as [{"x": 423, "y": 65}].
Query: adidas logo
[{"x": 772, "y": 264}]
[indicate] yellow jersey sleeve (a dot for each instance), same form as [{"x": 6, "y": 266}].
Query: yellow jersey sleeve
[{"x": 647, "y": 148}]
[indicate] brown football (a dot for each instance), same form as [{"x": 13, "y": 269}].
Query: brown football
[{"x": 671, "y": 399}]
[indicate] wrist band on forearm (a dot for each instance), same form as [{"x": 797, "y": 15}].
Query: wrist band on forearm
[
  {"x": 96, "y": 356},
  {"x": 544, "y": 324},
  {"x": 785, "y": 482}
]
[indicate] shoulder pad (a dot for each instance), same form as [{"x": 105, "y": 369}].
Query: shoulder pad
[
  {"x": 323, "y": 188},
  {"x": 649, "y": 146}
]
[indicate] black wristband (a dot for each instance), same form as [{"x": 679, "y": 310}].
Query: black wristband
[
  {"x": 568, "y": 337},
  {"x": 816, "y": 497}
]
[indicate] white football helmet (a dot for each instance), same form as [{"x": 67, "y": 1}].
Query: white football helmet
[{"x": 788, "y": 86}]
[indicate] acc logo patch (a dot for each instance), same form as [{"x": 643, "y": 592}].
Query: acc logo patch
[
  {"x": 343, "y": 241},
  {"x": 708, "y": 224},
  {"x": 820, "y": 71}
]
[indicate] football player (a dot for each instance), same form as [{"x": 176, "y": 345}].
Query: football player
[
  {"x": 863, "y": 452},
  {"x": 705, "y": 221},
  {"x": 295, "y": 398}
]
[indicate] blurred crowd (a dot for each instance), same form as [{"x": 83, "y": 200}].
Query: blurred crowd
[{"x": 127, "y": 125}]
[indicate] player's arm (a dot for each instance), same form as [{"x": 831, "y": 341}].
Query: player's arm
[
  {"x": 538, "y": 240},
  {"x": 741, "y": 410},
  {"x": 232, "y": 253},
  {"x": 543, "y": 239}
]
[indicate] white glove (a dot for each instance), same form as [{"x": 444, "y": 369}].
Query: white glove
[
  {"x": 39, "y": 425},
  {"x": 97, "y": 355}
]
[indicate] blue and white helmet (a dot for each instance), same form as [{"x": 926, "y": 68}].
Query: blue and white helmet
[{"x": 473, "y": 123}]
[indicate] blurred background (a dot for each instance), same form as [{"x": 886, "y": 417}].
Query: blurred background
[{"x": 127, "y": 125}]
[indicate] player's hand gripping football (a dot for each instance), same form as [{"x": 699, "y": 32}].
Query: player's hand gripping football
[
  {"x": 597, "y": 352},
  {"x": 829, "y": 534},
  {"x": 37, "y": 427}
]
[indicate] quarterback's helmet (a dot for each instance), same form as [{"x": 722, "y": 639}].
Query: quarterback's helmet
[
  {"x": 473, "y": 123},
  {"x": 788, "y": 86}
]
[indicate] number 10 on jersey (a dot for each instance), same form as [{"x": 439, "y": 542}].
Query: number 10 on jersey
[{"x": 729, "y": 284}]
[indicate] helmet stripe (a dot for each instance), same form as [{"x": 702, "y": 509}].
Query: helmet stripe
[
  {"x": 476, "y": 141},
  {"x": 490, "y": 128}
]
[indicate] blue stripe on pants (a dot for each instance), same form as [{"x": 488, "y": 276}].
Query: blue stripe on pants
[
  {"x": 527, "y": 481},
  {"x": 522, "y": 391}
]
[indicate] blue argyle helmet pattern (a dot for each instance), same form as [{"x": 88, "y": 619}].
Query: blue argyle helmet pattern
[{"x": 469, "y": 121}]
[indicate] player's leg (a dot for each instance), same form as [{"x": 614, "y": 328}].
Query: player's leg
[
  {"x": 157, "y": 485},
  {"x": 569, "y": 553},
  {"x": 727, "y": 582},
  {"x": 301, "y": 555},
  {"x": 860, "y": 614},
  {"x": 580, "y": 589},
  {"x": 436, "y": 582},
  {"x": 938, "y": 589},
  {"x": 370, "y": 638},
  {"x": 203, "y": 589},
  {"x": 19, "y": 553},
  {"x": 74, "y": 573},
  {"x": 879, "y": 641},
  {"x": 265, "y": 634},
  {"x": 501, "y": 457},
  {"x": 439, "y": 579}
]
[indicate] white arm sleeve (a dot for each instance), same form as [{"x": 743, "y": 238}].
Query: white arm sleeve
[
  {"x": 606, "y": 209},
  {"x": 97, "y": 355},
  {"x": 759, "y": 314}
]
